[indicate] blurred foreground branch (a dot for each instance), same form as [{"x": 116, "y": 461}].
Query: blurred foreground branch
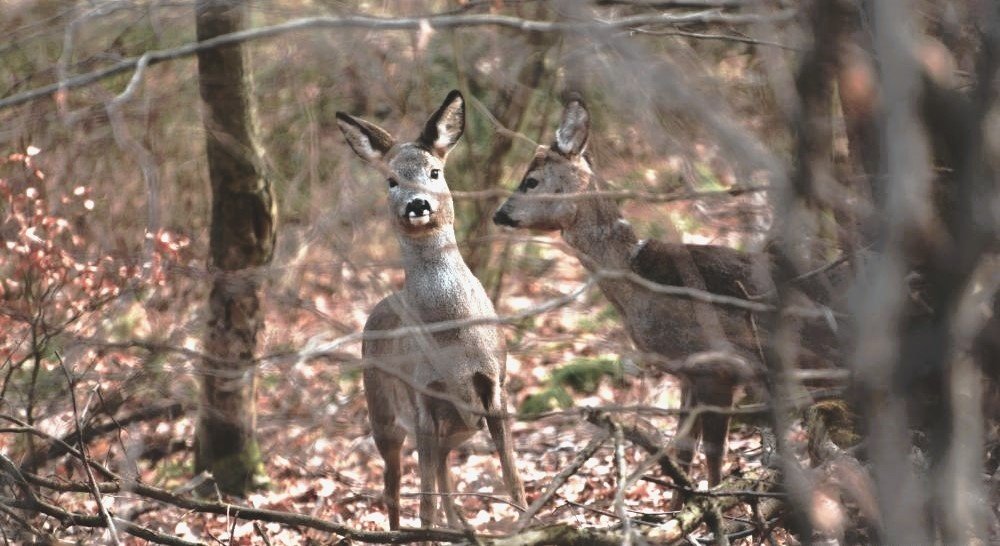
[{"x": 387, "y": 24}]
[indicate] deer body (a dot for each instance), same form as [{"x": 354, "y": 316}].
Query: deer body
[
  {"x": 614, "y": 246},
  {"x": 441, "y": 387},
  {"x": 666, "y": 326}
]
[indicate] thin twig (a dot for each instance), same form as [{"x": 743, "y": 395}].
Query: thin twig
[
  {"x": 500, "y": 128},
  {"x": 621, "y": 483},
  {"x": 94, "y": 489}
]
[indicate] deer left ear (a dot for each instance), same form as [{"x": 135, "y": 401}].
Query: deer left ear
[
  {"x": 574, "y": 129},
  {"x": 368, "y": 140},
  {"x": 446, "y": 126}
]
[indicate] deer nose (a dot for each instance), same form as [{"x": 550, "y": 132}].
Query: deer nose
[
  {"x": 501, "y": 218},
  {"x": 418, "y": 207}
]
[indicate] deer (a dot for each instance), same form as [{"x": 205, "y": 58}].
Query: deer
[
  {"x": 722, "y": 346},
  {"x": 439, "y": 386}
]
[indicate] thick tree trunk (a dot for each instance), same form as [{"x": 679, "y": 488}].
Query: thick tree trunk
[{"x": 242, "y": 239}]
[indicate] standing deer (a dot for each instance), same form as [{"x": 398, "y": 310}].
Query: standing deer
[
  {"x": 439, "y": 386},
  {"x": 553, "y": 196}
]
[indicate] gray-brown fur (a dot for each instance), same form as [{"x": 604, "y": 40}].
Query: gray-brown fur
[
  {"x": 668, "y": 326},
  {"x": 444, "y": 386}
]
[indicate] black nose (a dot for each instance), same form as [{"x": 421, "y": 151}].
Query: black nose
[
  {"x": 418, "y": 207},
  {"x": 501, "y": 218}
]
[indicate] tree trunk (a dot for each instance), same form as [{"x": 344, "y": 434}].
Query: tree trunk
[{"x": 242, "y": 239}]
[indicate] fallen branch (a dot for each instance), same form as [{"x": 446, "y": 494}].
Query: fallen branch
[
  {"x": 83, "y": 520},
  {"x": 122, "y": 486},
  {"x": 582, "y": 457},
  {"x": 92, "y": 431},
  {"x": 706, "y": 506},
  {"x": 684, "y": 523}
]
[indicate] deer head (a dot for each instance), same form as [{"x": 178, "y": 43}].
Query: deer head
[
  {"x": 419, "y": 200},
  {"x": 562, "y": 168}
]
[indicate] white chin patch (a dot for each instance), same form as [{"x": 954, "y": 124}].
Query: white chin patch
[{"x": 419, "y": 220}]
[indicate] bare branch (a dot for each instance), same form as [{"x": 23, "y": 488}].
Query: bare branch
[
  {"x": 721, "y": 37},
  {"x": 646, "y": 196},
  {"x": 387, "y": 24},
  {"x": 674, "y": 4}
]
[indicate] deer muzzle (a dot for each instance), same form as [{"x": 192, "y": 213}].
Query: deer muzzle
[
  {"x": 418, "y": 211},
  {"x": 501, "y": 218}
]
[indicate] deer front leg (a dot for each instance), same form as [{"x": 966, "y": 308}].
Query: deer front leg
[
  {"x": 427, "y": 453},
  {"x": 388, "y": 436},
  {"x": 500, "y": 431},
  {"x": 446, "y": 488}
]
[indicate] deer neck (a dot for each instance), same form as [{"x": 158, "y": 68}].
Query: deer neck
[
  {"x": 439, "y": 285},
  {"x": 603, "y": 239}
]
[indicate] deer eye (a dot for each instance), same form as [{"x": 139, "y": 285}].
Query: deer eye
[
  {"x": 393, "y": 183},
  {"x": 530, "y": 184},
  {"x": 435, "y": 173}
]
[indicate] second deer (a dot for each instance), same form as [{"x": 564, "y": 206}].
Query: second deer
[
  {"x": 440, "y": 386},
  {"x": 554, "y": 195}
]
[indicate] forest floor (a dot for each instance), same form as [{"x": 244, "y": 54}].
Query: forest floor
[{"x": 320, "y": 459}]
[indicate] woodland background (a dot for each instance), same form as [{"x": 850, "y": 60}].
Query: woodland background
[{"x": 832, "y": 131}]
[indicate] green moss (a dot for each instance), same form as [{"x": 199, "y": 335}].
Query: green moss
[
  {"x": 553, "y": 398},
  {"x": 241, "y": 472},
  {"x": 583, "y": 375}
]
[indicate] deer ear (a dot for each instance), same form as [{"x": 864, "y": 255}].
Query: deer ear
[
  {"x": 571, "y": 136},
  {"x": 446, "y": 125},
  {"x": 368, "y": 140}
]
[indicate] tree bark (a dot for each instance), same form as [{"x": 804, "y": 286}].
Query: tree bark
[{"x": 242, "y": 239}]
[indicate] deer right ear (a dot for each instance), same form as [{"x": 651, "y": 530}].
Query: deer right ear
[
  {"x": 574, "y": 129},
  {"x": 445, "y": 126},
  {"x": 368, "y": 140}
]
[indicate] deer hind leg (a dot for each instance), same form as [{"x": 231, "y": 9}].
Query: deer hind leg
[
  {"x": 390, "y": 446},
  {"x": 686, "y": 440},
  {"x": 500, "y": 431},
  {"x": 714, "y": 426}
]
